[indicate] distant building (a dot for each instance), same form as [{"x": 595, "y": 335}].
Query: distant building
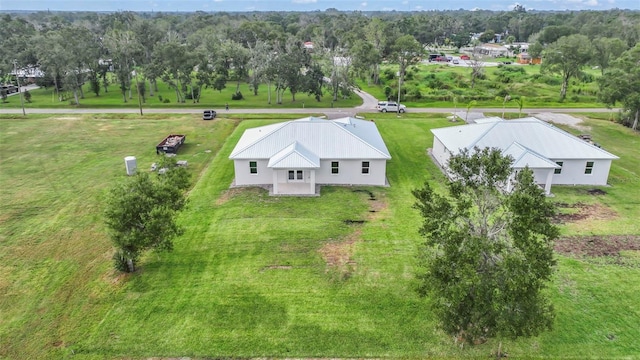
[
  {"x": 493, "y": 50},
  {"x": 525, "y": 58}
]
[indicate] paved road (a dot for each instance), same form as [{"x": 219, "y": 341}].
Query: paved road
[{"x": 288, "y": 111}]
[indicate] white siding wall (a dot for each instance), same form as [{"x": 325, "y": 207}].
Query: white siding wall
[
  {"x": 439, "y": 152},
  {"x": 283, "y": 175},
  {"x": 244, "y": 177},
  {"x": 573, "y": 172},
  {"x": 540, "y": 175},
  {"x": 350, "y": 173}
]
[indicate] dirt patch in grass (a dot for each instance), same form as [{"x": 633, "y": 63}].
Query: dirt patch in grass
[
  {"x": 597, "y": 246},
  {"x": 232, "y": 192},
  {"x": 338, "y": 254},
  {"x": 581, "y": 212},
  {"x": 276, "y": 267}
]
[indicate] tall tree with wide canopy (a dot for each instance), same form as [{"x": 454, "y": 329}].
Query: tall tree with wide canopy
[
  {"x": 621, "y": 83},
  {"x": 488, "y": 253},
  {"x": 605, "y": 50},
  {"x": 406, "y": 52},
  {"x": 148, "y": 35},
  {"x": 82, "y": 52},
  {"x": 567, "y": 57},
  {"x": 123, "y": 48}
]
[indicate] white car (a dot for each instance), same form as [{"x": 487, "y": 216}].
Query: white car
[{"x": 390, "y": 106}]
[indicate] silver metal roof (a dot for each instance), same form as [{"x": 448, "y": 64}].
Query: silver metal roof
[
  {"x": 535, "y": 135},
  {"x": 524, "y": 157},
  {"x": 346, "y": 138},
  {"x": 294, "y": 156}
]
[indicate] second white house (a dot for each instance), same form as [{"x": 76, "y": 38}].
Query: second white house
[{"x": 554, "y": 156}]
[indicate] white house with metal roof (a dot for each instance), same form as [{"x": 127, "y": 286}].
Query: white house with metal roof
[
  {"x": 554, "y": 156},
  {"x": 293, "y": 157}
]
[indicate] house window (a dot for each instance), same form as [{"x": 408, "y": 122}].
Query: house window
[
  {"x": 334, "y": 167},
  {"x": 365, "y": 167},
  {"x": 253, "y": 167},
  {"x": 589, "y": 168},
  {"x": 295, "y": 175},
  {"x": 558, "y": 171}
]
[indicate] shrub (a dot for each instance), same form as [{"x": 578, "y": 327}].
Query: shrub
[
  {"x": 388, "y": 74},
  {"x": 387, "y": 91},
  {"x": 414, "y": 93},
  {"x": 408, "y": 76},
  {"x": 502, "y": 93},
  {"x": 237, "y": 96},
  {"x": 551, "y": 80},
  {"x": 196, "y": 93},
  {"x": 166, "y": 101},
  {"x": 587, "y": 78}
]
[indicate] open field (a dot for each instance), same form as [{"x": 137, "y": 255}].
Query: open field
[
  {"x": 165, "y": 97},
  {"x": 257, "y": 276}
]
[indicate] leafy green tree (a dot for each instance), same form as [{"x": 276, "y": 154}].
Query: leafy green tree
[
  {"x": 406, "y": 52},
  {"x": 176, "y": 62},
  {"x": 487, "y": 36},
  {"x": 488, "y": 253},
  {"x": 536, "y": 49},
  {"x": 141, "y": 214},
  {"x": 237, "y": 59},
  {"x": 553, "y": 33},
  {"x": 314, "y": 81},
  {"x": 607, "y": 49},
  {"x": 567, "y": 57},
  {"x": 148, "y": 35},
  {"x": 366, "y": 59},
  {"x": 123, "y": 49},
  {"x": 621, "y": 83},
  {"x": 477, "y": 69},
  {"x": 377, "y": 34}
]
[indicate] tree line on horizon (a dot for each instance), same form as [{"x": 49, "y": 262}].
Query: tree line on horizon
[{"x": 192, "y": 51}]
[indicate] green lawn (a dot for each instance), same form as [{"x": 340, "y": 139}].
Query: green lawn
[
  {"x": 250, "y": 277},
  {"x": 166, "y": 97}
]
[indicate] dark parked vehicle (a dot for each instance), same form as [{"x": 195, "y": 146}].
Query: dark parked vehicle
[
  {"x": 9, "y": 89},
  {"x": 209, "y": 115}
]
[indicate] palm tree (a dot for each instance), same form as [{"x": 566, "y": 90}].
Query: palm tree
[
  {"x": 520, "y": 102},
  {"x": 471, "y": 104}
]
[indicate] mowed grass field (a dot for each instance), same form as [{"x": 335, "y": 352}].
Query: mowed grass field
[
  {"x": 165, "y": 97},
  {"x": 260, "y": 276}
]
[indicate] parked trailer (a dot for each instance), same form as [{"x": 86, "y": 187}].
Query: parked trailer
[{"x": 170, "y": 144}]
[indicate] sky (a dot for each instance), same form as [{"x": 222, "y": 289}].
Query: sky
[{"x": 310, "y": 5}]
